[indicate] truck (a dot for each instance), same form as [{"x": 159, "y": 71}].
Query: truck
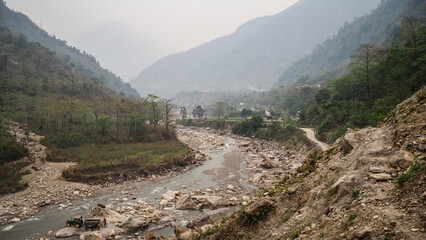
[{"x": 88, "y": 223}]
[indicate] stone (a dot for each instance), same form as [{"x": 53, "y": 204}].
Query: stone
[
  {"x": 344, "y": 185},
  {"x": 66, "y": 232},
  {"x": 381, "y": 176},
  {"x": 150, "y": 236},
  {"x": 230, "y": 187},
  {"x": 186, "y": 235},
  {"x": 164, "y": 202},
  {"x": 185, "y": 202},
  {"x": 206, "y": 228},
  {"x": 363, "y": 233},
  {"x": 256, "y": 206},
  {"x": 14, "y": 220},
  {"x": 266, "y": 164},
  {"x": 169, "y": 196},
  {"x": 101, "y": 205},
  {"x": 95, "y": 236},
  {"x": 402, "y": 159},
  {"x": 134, "y": 223},
  {"x": 216, "y": 201},
  {"x": 345, "y": 145},
  {"x": 376, "y": 170}
]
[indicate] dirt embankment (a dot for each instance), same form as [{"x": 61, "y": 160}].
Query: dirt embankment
[{"x": 370, "y": 185}]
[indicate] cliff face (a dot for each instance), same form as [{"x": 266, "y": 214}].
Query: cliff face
[{"x": 369, "y": 185}]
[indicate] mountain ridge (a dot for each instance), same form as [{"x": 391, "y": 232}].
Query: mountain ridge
[
  {"x": 330, "y": 58},
  {"x": 254, "y": 56},
  {"x": 19, "y": 23}
]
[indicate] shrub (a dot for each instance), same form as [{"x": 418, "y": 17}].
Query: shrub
[{"x": 352, "y": 216}]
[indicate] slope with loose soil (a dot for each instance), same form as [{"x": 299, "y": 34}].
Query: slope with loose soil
[{"x": 370, "y": 185}]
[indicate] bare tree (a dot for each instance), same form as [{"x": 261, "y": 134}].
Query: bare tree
[{"x": 365, "y": 56}]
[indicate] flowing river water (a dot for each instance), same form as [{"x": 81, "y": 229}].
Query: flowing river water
[{"x": 227, "y": 166}]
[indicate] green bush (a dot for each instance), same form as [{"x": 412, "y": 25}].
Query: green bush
[
  {"x": 248, "y": 127},
  {"x": 10, "y": 150}
]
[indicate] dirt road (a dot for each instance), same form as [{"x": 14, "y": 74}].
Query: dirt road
[{"x": 311, "y": 135}]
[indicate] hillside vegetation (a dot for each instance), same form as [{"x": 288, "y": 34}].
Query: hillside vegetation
[
  {"x": 18, "y": 23},
  {"x": 71, "y": 108},
  {"x": 331, "y": 58}
]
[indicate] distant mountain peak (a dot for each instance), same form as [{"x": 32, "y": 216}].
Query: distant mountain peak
[{"x": 255, "y": 55}]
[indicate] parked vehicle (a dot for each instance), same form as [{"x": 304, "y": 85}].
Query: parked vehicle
[
  {"x": 88, "y": 223},
  {"x": 92, "y": 223},
  {"x": 75, "y": 222}
]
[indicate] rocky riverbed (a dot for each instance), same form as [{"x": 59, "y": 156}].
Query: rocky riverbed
[{"x": 238, "y": 166}]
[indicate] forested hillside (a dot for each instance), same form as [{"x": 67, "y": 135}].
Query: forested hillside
[
  {"x": 254, "y": 56},
  {"x": 331, "y": 58},
  {"x": 73, "y": 109},
  {"x": 19, "y": 23},
  {"x": 377, "y": 80}
]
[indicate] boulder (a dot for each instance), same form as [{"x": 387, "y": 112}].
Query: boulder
[
  {"x": 345, "y": 145},
  {"x": 164, "y": 202},
  {"x": 216, "y": 201},
  {"x": 402, "y": 159},
  {"x": 256, "y": 206},
  {"x": 95, "y": 236},
  {"x": 265, "y": 164},
  {"x": 185, "y": 202},
  {"x": 169, "y": 196},
  {"x": 363, "y": 233},
  {"x": 381, "y": 176},
  {"x": 133, "y": 223},
  {"x": 201, "y": 220},
  {"x": 188, "y": 235},
  {"x": 150, "y": 236},
  {"x": 66, "y": 232},
  {"x": 206, "y": 228},
  {"x": 344, "y": 185}
]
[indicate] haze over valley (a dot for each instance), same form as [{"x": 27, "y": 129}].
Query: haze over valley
[{"x": 212, "y": 120}]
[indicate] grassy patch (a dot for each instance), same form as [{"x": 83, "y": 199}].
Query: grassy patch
[
  {"x": 97, "y": 162},
  {"x": 406, "y": 177}
]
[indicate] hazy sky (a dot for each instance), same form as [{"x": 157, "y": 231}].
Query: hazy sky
[{"x": 182, "y": 24}]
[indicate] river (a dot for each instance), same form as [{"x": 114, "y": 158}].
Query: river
[{"x": 227, "y": 166}]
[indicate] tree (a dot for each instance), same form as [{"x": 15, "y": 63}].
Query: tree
[
  {"x": 365, "y": 56},
  {"x": 168, "y": 107},
  {"x": 198, "y": 112},
  {"x": 152, "y": 100},
  {"x": 219, "y": 110},
  {"x": 183, "y": 112},
  {"x": 245, "y": 113},
  {"x": 409, "y": 32}
]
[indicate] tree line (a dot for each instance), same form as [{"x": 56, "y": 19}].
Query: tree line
[{"x": 55, "y": 98}]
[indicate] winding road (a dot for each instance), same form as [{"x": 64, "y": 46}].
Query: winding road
[{"x": 311, "y": 135}]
